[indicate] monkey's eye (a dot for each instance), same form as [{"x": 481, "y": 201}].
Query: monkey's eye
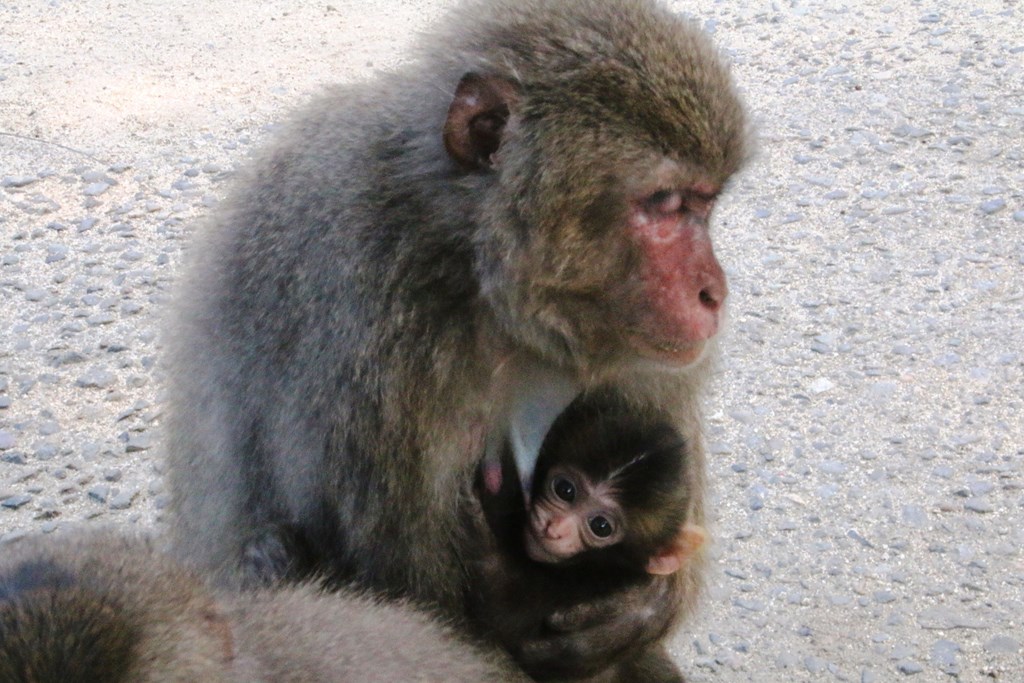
[
  {"x": 664, "y": 202},
  {"x": 601, "y": 527},
  {"x": 564, "y": 489}
]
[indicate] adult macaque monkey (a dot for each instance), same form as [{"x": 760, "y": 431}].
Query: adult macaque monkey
[
  {"x": 454, "y": 250},
  {"x": 99, "y": 608}
]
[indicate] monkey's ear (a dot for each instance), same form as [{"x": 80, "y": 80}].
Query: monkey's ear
[
  {"x": 671, "y": 559},
  {"x": 476, "y": 120}
]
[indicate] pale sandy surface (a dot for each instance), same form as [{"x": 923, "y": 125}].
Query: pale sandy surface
[{"x": 865, "y": 429}]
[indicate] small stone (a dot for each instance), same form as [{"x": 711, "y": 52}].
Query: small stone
[
  {"x": 833, "y": 467},
  {"x": 993, "y": 206},
  {"x": 821, "y": 385},
  {"x": 46, "y": 451},
  {"x": 96, "y": 379},
  {"x": 133, "y": 255},
  {"x": 16, "y": 501},
  {"x": 944, "y": 654},
  {"x": 49, "y": 428},
  {"x": 7, "y": 440},
  {"x": 908, "y": 131},
  {"x": 123, "y": 500},
  {"x": 909, "y": 667},
  {"x": 787, "y": 660},
  {"x": 18, "y": 181},
  {"x": 978, "y": 504},
  {"x": 915, "y": 516},
  {"x": 749, "y": 605},
  {"x": 97, "y": 319},
  {"x": 1003, "y": 645},
  {"x": 100, "y": 493},
  {"x": 56, "y": 252},
  {"x": 815, "y": 664},
  {"x": 94, "y": 176},
  {"x": 884, "y": 597},
  {"x": 138, "y": 442},
  {"x": 95, "y": 189}
]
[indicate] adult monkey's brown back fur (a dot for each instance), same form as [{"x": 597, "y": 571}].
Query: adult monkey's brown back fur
[
  {"x": 528, "y": 197},
  {"x": 94, "y": 607}
]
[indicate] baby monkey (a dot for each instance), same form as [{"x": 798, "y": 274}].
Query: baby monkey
[
  {"x": 608, "y": 492},
  {"x": 608, "y": 506}
]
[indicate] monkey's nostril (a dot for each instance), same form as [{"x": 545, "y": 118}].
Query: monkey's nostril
[{"x": 709, "y": 300}]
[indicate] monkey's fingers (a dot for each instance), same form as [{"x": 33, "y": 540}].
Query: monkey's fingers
[{"x": 590, "y": 637}]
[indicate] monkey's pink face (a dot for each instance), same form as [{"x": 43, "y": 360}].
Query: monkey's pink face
[
  {"x": 570, "y": 516},
  {"x": 680, "y": 282}
]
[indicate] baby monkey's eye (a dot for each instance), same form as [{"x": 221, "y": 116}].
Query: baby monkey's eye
[
  {"x": 601, "y": 527},
  {"x": 564, "y": 489}
]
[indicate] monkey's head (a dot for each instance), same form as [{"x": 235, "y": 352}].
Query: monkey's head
[
  {"x": 608, "y": 489},
  {"x": 607, "y": 130}
]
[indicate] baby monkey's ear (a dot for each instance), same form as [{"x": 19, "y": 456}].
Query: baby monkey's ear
[{"x": 671, "y": 558}]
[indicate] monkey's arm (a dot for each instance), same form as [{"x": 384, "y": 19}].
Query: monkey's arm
[{"x": 591, "y": 636}]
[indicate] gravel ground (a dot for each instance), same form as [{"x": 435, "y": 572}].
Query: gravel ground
[{"x": 864, "y": 429}]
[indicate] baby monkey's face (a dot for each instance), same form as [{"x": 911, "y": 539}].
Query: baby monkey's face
[{"x": 571, "y": 513}]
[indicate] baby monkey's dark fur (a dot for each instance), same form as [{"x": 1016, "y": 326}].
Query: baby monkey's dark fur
[{"x": 602, "y": 438}]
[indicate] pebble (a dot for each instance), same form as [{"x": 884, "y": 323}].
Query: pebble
[
  {"x": 123, "y": 500},
  {"x": 993, "y": 206},
  {"x": 56, "y": 252},
  {"x": 99, "y": 492},
  {"x": 138, "y": 442},
  {"x": 821, "y": 385},
  {"x": 95, "y": 189},
  {"x": 7, "y": 440},
  {"x": 96, "y": 379},
  {"x": 978, "y": 504},
  {"x": 18, "y": 181},
  {"x": 944, "y": 656},
  {"x": 909, "y": 667},
  {"x": 16, "y": 501},
  {"x": 750, "y": 605},
  {"x": 1003, "y": 644},
  {"x": 815, "y": 665}
]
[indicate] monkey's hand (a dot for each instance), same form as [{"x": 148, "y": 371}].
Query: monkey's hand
[{"x": 589, "y": 637}]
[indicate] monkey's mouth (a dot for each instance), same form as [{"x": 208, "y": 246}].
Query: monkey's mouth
[
  {"x": 536, "y": 550},
  {"x": 680, "y": 354}
]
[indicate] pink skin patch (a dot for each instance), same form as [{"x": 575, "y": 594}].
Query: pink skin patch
[
  {"x": 492, "y": 477},
  {"x": 682, "y": 279}
]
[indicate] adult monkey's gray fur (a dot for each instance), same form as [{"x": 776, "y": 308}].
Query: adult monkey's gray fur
[{"x": 529, "y": 197}]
